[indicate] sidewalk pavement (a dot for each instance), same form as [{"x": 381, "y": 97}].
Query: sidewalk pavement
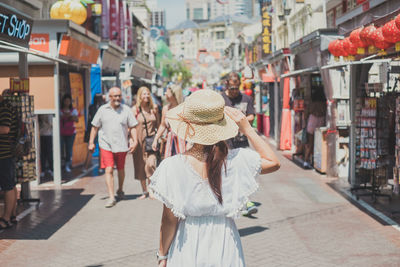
[{"x": 302, "y": 221}]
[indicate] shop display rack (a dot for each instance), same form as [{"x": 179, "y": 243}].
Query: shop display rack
[
  {"x": 23, "y": 105},
  {"x": 372, "y": 146}
]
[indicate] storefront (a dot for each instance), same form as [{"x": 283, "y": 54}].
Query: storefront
[
  {"x": 66, "y": 53},
  {"x": 311, "y": 100}
]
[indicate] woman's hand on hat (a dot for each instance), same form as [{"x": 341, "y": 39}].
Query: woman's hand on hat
[{"x": 240, "y": 119}]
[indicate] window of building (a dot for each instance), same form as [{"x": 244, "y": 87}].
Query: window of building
[
  {"x": 330, "y": 17},
  {"x": 188, "y": 13},
  {"x": 198, "y": 13},
  {"x": 220, "y": 35}
]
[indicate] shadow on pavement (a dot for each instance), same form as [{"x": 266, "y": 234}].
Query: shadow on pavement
[
  {"x": 131, "y": 197},
  {"x": 251, "y": 230},
  {"x": 56, "y": 209},
  {"x": 388, "y": 208}
]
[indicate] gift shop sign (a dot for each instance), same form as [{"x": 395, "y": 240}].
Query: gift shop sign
[
  {"x": 14, "y": 27},
  {"x": 40, "y": 42}
]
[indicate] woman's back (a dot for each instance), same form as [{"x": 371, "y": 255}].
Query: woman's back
[{"x": 207, "y": 234}]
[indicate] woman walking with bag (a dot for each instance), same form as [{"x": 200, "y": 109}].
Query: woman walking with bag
[
  {"x": 144, "y": 158},
  {"x": 205, "y": 188},
  {"x": 173, "y": 145}
]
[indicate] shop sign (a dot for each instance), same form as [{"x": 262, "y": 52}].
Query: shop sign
[
  {"x": 266, "y": 32},
  {"x": 19, "y": 85},
  {"x": 74, "y": 49},
  {"x": 15, "y": 28},
  {"x": 40, "y": 42}
]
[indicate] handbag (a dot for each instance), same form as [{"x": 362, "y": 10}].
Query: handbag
[{"x": 148, "y": 140}]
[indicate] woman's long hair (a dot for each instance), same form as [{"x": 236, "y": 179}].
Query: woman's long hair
[
  {"x": 139, "y": 98},
  {"x": 216, "y": 159},
  {"x": 66, "y": 96}
]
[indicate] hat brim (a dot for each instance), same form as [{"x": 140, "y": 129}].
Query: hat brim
[{"x": 203, "y": 134}]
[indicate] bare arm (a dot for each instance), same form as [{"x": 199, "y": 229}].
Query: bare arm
[
  {"x": 133, "y": 140},
  {"x": 169, "y": 224},
  {"x": 250, "y": 118},
  {"x": 161, "y": 129},
  {"x": 4, "y": 129},
  {"x": 93, "y": 133},
  {"x": 269, "y": 161}
]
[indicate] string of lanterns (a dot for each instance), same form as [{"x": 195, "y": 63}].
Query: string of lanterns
[{"x": 370, "y": 37}]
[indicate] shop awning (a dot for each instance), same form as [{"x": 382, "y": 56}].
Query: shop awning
[
  {"x": 298, "y": 72},
  {"x": 342, "y": 64},
  {"x": 16, "y": 48}
]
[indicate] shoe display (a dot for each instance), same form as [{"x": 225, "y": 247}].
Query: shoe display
[
  {"x": 110, "y": 203},
  {"x": 120, "y": 195},
  {"x": 250, "y": 209}
]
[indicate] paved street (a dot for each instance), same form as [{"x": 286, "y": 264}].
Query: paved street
[{"x": 302, "y": 221}]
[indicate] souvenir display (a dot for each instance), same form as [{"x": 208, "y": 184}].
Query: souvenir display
[{"x": 24, "y": 106}]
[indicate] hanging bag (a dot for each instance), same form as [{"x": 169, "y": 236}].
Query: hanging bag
[{"x": 148, "y": 141}]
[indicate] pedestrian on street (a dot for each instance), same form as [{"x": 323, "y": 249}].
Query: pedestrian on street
[
  {"x": 203, "y": 189},
  {"x": 234, "y": 98},
  {"x": 8, "y": 136},
  {"x": 46, "y": 144},
  {"x": 173, "y": 145},
  {"x": 115, "y": 124},
  {"x": 68, "y": 117},
  {"x": 145, "y": 160}
]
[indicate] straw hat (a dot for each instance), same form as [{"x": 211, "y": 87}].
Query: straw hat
[
  {"x": 177, "y": 91},
  {"x": 201, "y": 119}
]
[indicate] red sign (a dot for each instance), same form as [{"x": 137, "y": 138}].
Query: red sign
[
  {"x": 77, "y": 50},
  {"x": 40, "y": 42}
]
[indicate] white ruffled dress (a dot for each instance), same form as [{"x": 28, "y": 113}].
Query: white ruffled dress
[{"x": 207, "y": 234}]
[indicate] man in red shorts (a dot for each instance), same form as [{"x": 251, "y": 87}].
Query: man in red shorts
[{"x": 115, "y": 124}]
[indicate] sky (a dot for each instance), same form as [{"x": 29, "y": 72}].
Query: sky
[{"x": 175, "y": 11}]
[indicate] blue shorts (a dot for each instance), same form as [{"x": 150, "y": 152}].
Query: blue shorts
[{"x": 7, "y": 174}]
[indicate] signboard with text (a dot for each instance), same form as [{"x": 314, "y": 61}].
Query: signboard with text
[
  {"x": 40, "y": 42},
  {"x": 14, "y": 27},
  {"x": 266, "y": 32}
]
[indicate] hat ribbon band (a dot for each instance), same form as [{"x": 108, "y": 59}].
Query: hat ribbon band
[{"x": 190, "y": 131}]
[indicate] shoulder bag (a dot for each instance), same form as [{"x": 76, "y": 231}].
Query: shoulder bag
[{"x": 148, "y": 141}]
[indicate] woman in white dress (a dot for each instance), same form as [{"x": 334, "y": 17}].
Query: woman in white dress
[{"x": 205, "y": 188}]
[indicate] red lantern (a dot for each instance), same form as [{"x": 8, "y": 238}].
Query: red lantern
[
  {"x": 349, "y": 47},
  {"x": 248, "y": 92},
  {"x": 332, "y": 47},
  {"x": 379, "y": 40},
  {"x": 397, "y": 21},
  {"x": 390, "y": 32},
  {"x": 355, "y": 38},
  {"x": 340, "y": 49},
  {"x": 365, "y": 34}
]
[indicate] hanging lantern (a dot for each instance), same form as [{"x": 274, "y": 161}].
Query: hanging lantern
[
  {"x": 349, "y": 47},
  {"x": 356, "y": 40},
  {"x": 397, "y": 21},
  {"x": 69, "y": 9},
  {"x": 379, "y": 40},
  {"x": 340, "y": 48},
  {"x": 78, "y": 12},
  {"x": 248, "y": 92},
  {"x": 55, "y": 10},
  {"x": 365, "y": 35},
  {"x": 390, "y": 32}
]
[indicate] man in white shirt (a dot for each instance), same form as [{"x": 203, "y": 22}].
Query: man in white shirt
[{"x": 115, "y": 124}]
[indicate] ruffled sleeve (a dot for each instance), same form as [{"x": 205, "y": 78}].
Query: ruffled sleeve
[
  {"x": 244, "y": 167},
  {"x": 166, "y": 189}
]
